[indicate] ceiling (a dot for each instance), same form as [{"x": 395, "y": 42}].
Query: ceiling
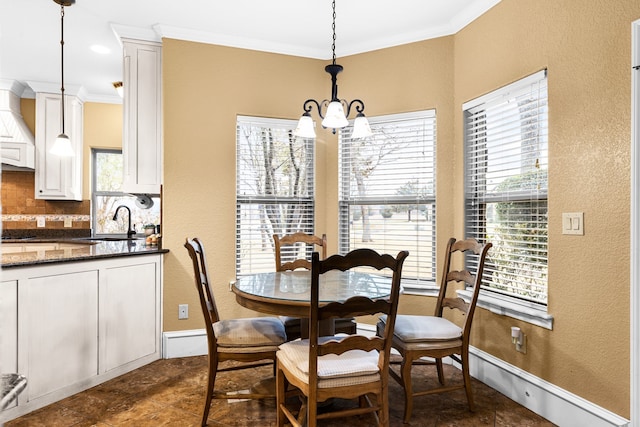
[{"x": 30, "y": 32}]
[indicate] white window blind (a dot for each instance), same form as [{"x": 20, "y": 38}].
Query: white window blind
[
  {"x": 387, "y": 191},
  {"x": 506, "y": 153},
  {"x": 274, "y": 189}
]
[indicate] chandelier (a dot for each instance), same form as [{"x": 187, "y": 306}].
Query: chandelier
[
  {"x": 334, "y": 116},
  {"x": 62, "y": 145}
]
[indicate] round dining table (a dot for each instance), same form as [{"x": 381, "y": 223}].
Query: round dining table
[{"x": 287, "y": 293}]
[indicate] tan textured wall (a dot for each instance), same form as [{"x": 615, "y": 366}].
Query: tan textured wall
[
  {"x": 102, "y": 129},
  {"x": 204, "y": 88},
  {"x": 586, "y": 47}
]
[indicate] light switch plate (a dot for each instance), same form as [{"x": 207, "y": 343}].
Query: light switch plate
[
  {"x": 573, "y": 223},
  {"x": 68, "y": 222}
]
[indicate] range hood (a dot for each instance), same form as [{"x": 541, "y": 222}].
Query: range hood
[{"x": 17, "y": 147}]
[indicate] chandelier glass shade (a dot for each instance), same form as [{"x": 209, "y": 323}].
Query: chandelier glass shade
[{"x": 336, "y": 110}]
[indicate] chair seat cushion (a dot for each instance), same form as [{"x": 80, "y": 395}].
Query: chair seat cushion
[
  {"x": 348, "y": 368},
  {"x": 251, "y": 332},
  {"x": 411, "y": 328}
]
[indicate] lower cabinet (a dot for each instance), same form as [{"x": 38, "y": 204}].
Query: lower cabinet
[
  {"x": 129, "y": 308},
  {"x": 60, "y": 319},
  {"x": 71, "y": 326}
]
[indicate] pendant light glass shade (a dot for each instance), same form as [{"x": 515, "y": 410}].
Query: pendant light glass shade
[
  {"x": 335, "y": 117},
  {"x": 361, "y": 127},
  {"x": 306, "y": 128},
  {"x": 62, "y": 146}
]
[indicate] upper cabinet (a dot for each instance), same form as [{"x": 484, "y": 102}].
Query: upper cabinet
[
  {"x": 142, "y": 108},
  {"x": 58, "y": 178}
]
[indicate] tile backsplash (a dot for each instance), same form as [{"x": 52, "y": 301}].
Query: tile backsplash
[{"x": 22, "y": 211}]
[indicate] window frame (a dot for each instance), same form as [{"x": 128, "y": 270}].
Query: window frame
[
  {"x": 530, "y": 311},
  {"x": 96, "y": 193}
]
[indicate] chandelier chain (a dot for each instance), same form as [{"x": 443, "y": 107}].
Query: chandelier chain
[
  {"x": 333, "y": 27},
  {"x": 62, "y": 64}
]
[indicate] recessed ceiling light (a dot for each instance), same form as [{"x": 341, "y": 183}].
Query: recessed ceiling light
[{"x": 103, "y": 50}]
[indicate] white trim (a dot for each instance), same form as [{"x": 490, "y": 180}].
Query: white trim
[
  {"x": 545, "y": 399},
  {"x": 635, "y": 226},
  {"x": 184, "y": 343}
]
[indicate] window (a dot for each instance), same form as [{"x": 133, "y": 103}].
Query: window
[
  {"x": 387, "y": 192},
  {"x": 274, "y": 189},
  {"x": 506, "y": 144},
  {"x": 107, "y": 195}
]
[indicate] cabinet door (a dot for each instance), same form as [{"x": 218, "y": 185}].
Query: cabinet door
[
  {"x": 58, "y": 178},
  {"x": 130, "y": 312},
  {"x": 59, "y": 315},
  {"x": 142, "y": 127},
  {"x": 9, "y": 327}
]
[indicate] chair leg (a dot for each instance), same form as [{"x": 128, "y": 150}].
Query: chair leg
[
  {"x": 312, "y": 412},
  {"x": 213, "y": 370},
  {"x": 440, "y": 371},
  {"x": 383, "y": 404},
  {"x": 467, "y": 378},
  {"x": 405, "y": 372},
  {"x": 280, "y": 396}
]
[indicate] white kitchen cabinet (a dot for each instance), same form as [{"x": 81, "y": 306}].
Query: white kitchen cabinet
[
  {"x": 9, "y": 328},
  {"x": 61, "y": 321},
  {"x": 58, "y": 178},
  {"x": 142, "y": 121},
  {"x": 129, "y": 309},
  {"x": 73, "y": 325}
]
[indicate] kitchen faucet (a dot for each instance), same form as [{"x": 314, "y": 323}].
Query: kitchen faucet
[{"x": 130, "y": 231}]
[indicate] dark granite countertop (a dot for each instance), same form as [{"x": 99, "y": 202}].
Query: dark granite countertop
[{"x": 36, "y": 251}]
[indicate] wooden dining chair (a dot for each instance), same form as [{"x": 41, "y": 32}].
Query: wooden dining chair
[
  {"x": 252, "y": 341},
  {"x": 417, "y": 336},
  {"x": 295, "y": 249},
  {"x": 340, "y": 366}
]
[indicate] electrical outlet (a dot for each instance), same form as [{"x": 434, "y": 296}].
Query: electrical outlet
[
  {"x": 521, "y": 345},
  {"x": 68, "y": 222},
  {"x": 40, "y": 221},
  {"x": 183, "y": 311}
]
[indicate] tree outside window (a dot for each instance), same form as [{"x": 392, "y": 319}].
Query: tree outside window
[
  {"x": 107, "y": 195},
  {"x": 274, "y": 189}
]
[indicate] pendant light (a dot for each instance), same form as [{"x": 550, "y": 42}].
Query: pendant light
[
  {"x": 335, "y": 116},
  {"x": 62, "y": 145}
]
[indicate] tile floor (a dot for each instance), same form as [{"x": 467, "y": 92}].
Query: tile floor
[{"x": 171, "y": 393}]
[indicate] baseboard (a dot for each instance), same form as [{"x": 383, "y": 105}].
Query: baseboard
[
  {"x": 184, "y": 343},
  {"x": 545, "y": 399}
]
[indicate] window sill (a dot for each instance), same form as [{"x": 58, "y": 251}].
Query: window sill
[
  {"x": 505, "y": 306},
  {"x": 427, "y": 289},
  {"x": 498, "y": 304}
]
